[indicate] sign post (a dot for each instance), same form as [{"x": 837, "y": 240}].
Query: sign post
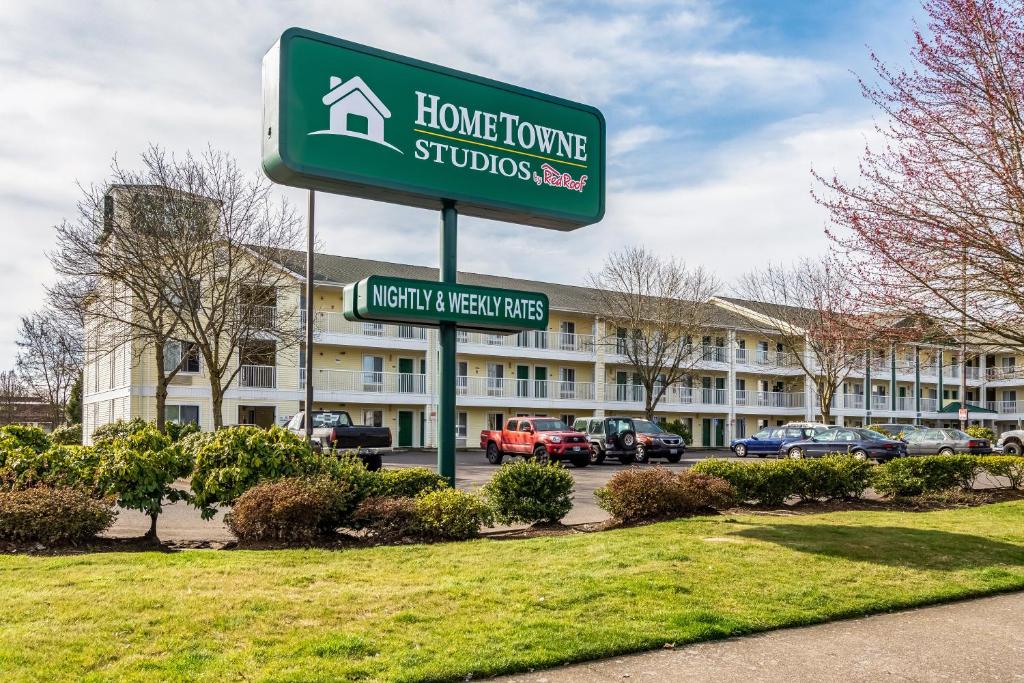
[
  {"x": 307, "y": 419},
  {"x": 350, "y": 119}
]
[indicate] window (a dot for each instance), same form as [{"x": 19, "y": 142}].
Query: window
[
  {"x": 495, "y": 378},
  {"x": 741, "y": 428},
  {"x": 173, "y": 351},
  {"x": 512, "y": 425},
  {"x": 495, "y": 420},
  {"x": 568, "y": 418},
  {"x": 182, "y": 414},
  {"x": 373, "y": 373},
  {"x": 462, "y": 426},
  {"x": 462, "y": 379},
  {"x": 357, "y": 123},
  {"x": 373, "y": 418}
]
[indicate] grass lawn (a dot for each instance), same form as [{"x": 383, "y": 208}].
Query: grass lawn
[{"x": 484, "y": 607}]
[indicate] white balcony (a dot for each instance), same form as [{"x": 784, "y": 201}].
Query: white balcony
[
  {"x": 769, "y": 399},
  {"x": 1003, "y": 372},
  {"x": 770, "y": 359},
  {"x": 536, "y": 339},
  {"x": 526, "y": 389},
  {"x": 1006, "y": 407},
  {"x": 675, "y": 395},
  {"x": 257, "y": 377},
  {"x": 363, "y": 382},
  {"x": 334, "y": 323}
]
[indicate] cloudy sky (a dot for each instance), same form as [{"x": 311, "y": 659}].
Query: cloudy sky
[{"x": 716, "y": 112}]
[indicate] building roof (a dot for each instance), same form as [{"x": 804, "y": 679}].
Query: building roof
[{"x": 343, "y": 270}]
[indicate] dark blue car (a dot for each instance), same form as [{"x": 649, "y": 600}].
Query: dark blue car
[
  {"x": 860, "y": 443},
  {"x": 769, "y": 440}
]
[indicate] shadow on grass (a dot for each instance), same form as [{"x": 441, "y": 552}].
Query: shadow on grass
[{"x": 894, "y": 546}]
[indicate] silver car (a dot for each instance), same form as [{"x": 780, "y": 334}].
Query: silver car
[{"x": 945, "y": 442}]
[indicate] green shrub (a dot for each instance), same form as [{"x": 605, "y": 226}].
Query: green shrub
[
  {"x": 67, "y": 435},
  {"x": 657, "y": 493},
  {"x": 679, "y": 428},
  {"x": 52, "y": 515},
  {"x": 1008, "y": 466},
  {"x": 16, "y": 438},
  {"x": 926, "y": 474},
  {"x": 117, "y": 430},
  {"x": 979, "y": 432},
  {"x": 389, "y": 520},
  {"x": 527, "y": 491},
  {"x": 139, "y": 468},
  {"x": 178, "y": 431},
  {"x": 451, "y": 514},
  {"x": 59, "y": 466},
  {"x": 291, "y": 509},
  {"x": 832, "y": 476},
  {"x": 407, "y": 482},
  {"x": 232, "y": 460}
]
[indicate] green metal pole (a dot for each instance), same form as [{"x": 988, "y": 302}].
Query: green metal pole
[
  {"x": 446, "y": 339},
  {"x": 917, "y": 384},
  {"x": 892, "y": 380},
  {"x": 867, "y": 387}
]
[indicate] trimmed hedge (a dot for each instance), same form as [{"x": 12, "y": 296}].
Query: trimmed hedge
[
  {"x": 528, "y": 491},
  {"x": 118, "y": 429},
  {"x": 452, "y": 515},
  {"x": 389, "y": 520},
  {"x": 407, "y": 482},
  {"x": 53, "y": 515},
  {"x": 67, "y": 435},
  {"x": 1008, "y": 466},
  {"x": 772, "y": 482},
  {"x": 292, "y": 509},
  {"x": 657, "y": 493},
  {"x": 925, "y": 474},
  {"x": 59, "y": 466}
]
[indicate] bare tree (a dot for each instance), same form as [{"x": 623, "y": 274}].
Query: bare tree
[
  {"x": 221, "y": 252},
  {"x": 654, "y": 307},
  {"x": 811, "y": 309},
  {"x": 49, "y": 357},
  {"x": 12, "y": 392},
  {"x": 105, "y": 258}
]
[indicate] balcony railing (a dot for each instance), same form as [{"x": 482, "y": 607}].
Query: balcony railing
[
  {"x": 1003, "y": 372},
  {"x": 507, "y": 387},
  {"x": 770, "y": 399},
  {"x": 366, "y": 381},
  {"x": 1006, "y": 407},
  {"x": 257, "y": 376},
  {"x": 760, "y": 357},
  {"x": 262, "y": 317},
  {"x": 332, "y": 322},
  {"x": 674, "y": 395},
  {"x": 537, "y": 339}
]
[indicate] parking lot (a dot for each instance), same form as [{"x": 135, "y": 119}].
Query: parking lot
[{"x": 180, "y": 522}]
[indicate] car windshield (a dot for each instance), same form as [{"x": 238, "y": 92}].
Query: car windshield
[
  {"x": 550, "y": 426},
  {"x": 331, "y": 420},
  {"x": 647, "y": 427}
]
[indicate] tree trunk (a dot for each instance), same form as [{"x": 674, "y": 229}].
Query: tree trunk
[
  {"x": 151, "y": 534},
  {"x": 825, "y": 396},
  {"x": 217, "y": 400},
  {"x": 161, "y": 387}
]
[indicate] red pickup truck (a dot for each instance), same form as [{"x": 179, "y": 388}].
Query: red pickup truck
[{"x": 541, "y": 438}]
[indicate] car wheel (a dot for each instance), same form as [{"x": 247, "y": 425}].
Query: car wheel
[
  {"x": 641, "y": 453},
  {"x": 596, "y": 454},
  {"x": 860, "y": 455},
  {"x": 628, "y": 440},
  {"x": 796, "y": 453},
  {"x": 582, "y": 460},
  {"x": 494, "y": 456},
  {"x": 674, "y": 458},
  {"x": 1013, "y": 448},
  {"x": 540, "y": 454},
  {"x": 945, "y": 451},
  {"x": 741, "y": 451}
]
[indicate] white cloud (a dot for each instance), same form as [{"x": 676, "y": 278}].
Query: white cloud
[{"x": 113, "y": 76}]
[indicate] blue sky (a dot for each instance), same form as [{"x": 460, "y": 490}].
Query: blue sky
[{"x": 716, "y": 112}]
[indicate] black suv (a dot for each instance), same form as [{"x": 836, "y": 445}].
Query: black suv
[{"x": 609, "y": 436}]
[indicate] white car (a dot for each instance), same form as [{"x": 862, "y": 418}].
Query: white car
[{"x": 1011, "y": 442}]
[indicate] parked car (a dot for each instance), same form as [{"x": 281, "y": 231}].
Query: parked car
[
  {"x": 654, "y": 442},
  {"x": 861, "y": 443},
  {"x": 1011, "y": 442},
  {"x": 334, "y": 429},
  {"x": 769, "y": 440},
  {"x": 894, "y": 429},
  {"x": 815, "y": 425},
  {"x": 945, "y": 442},
  {"x": 609, "y": 436},
  {"x": 541, "y": 438}
]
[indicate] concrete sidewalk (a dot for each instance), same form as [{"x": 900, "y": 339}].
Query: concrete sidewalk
[{"x": 975, "y": 640}]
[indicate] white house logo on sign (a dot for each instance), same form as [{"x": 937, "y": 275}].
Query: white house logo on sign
[{"x": 355, "y": 111}]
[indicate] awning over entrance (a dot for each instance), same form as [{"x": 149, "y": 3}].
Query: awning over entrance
[{"x": 954, "y": 407}]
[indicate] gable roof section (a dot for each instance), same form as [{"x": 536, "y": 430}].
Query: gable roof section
[{"x": 351, "y": 85}]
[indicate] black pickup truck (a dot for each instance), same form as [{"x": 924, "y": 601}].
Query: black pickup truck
[{"x": 334, "y": 429}]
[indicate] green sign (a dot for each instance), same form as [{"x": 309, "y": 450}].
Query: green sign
[
  {"x": 425, "y": 302},
  {"x": 350, "y": 119}
]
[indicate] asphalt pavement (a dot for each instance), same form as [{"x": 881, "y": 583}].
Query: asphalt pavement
[{"x": 181, "y": 522}]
